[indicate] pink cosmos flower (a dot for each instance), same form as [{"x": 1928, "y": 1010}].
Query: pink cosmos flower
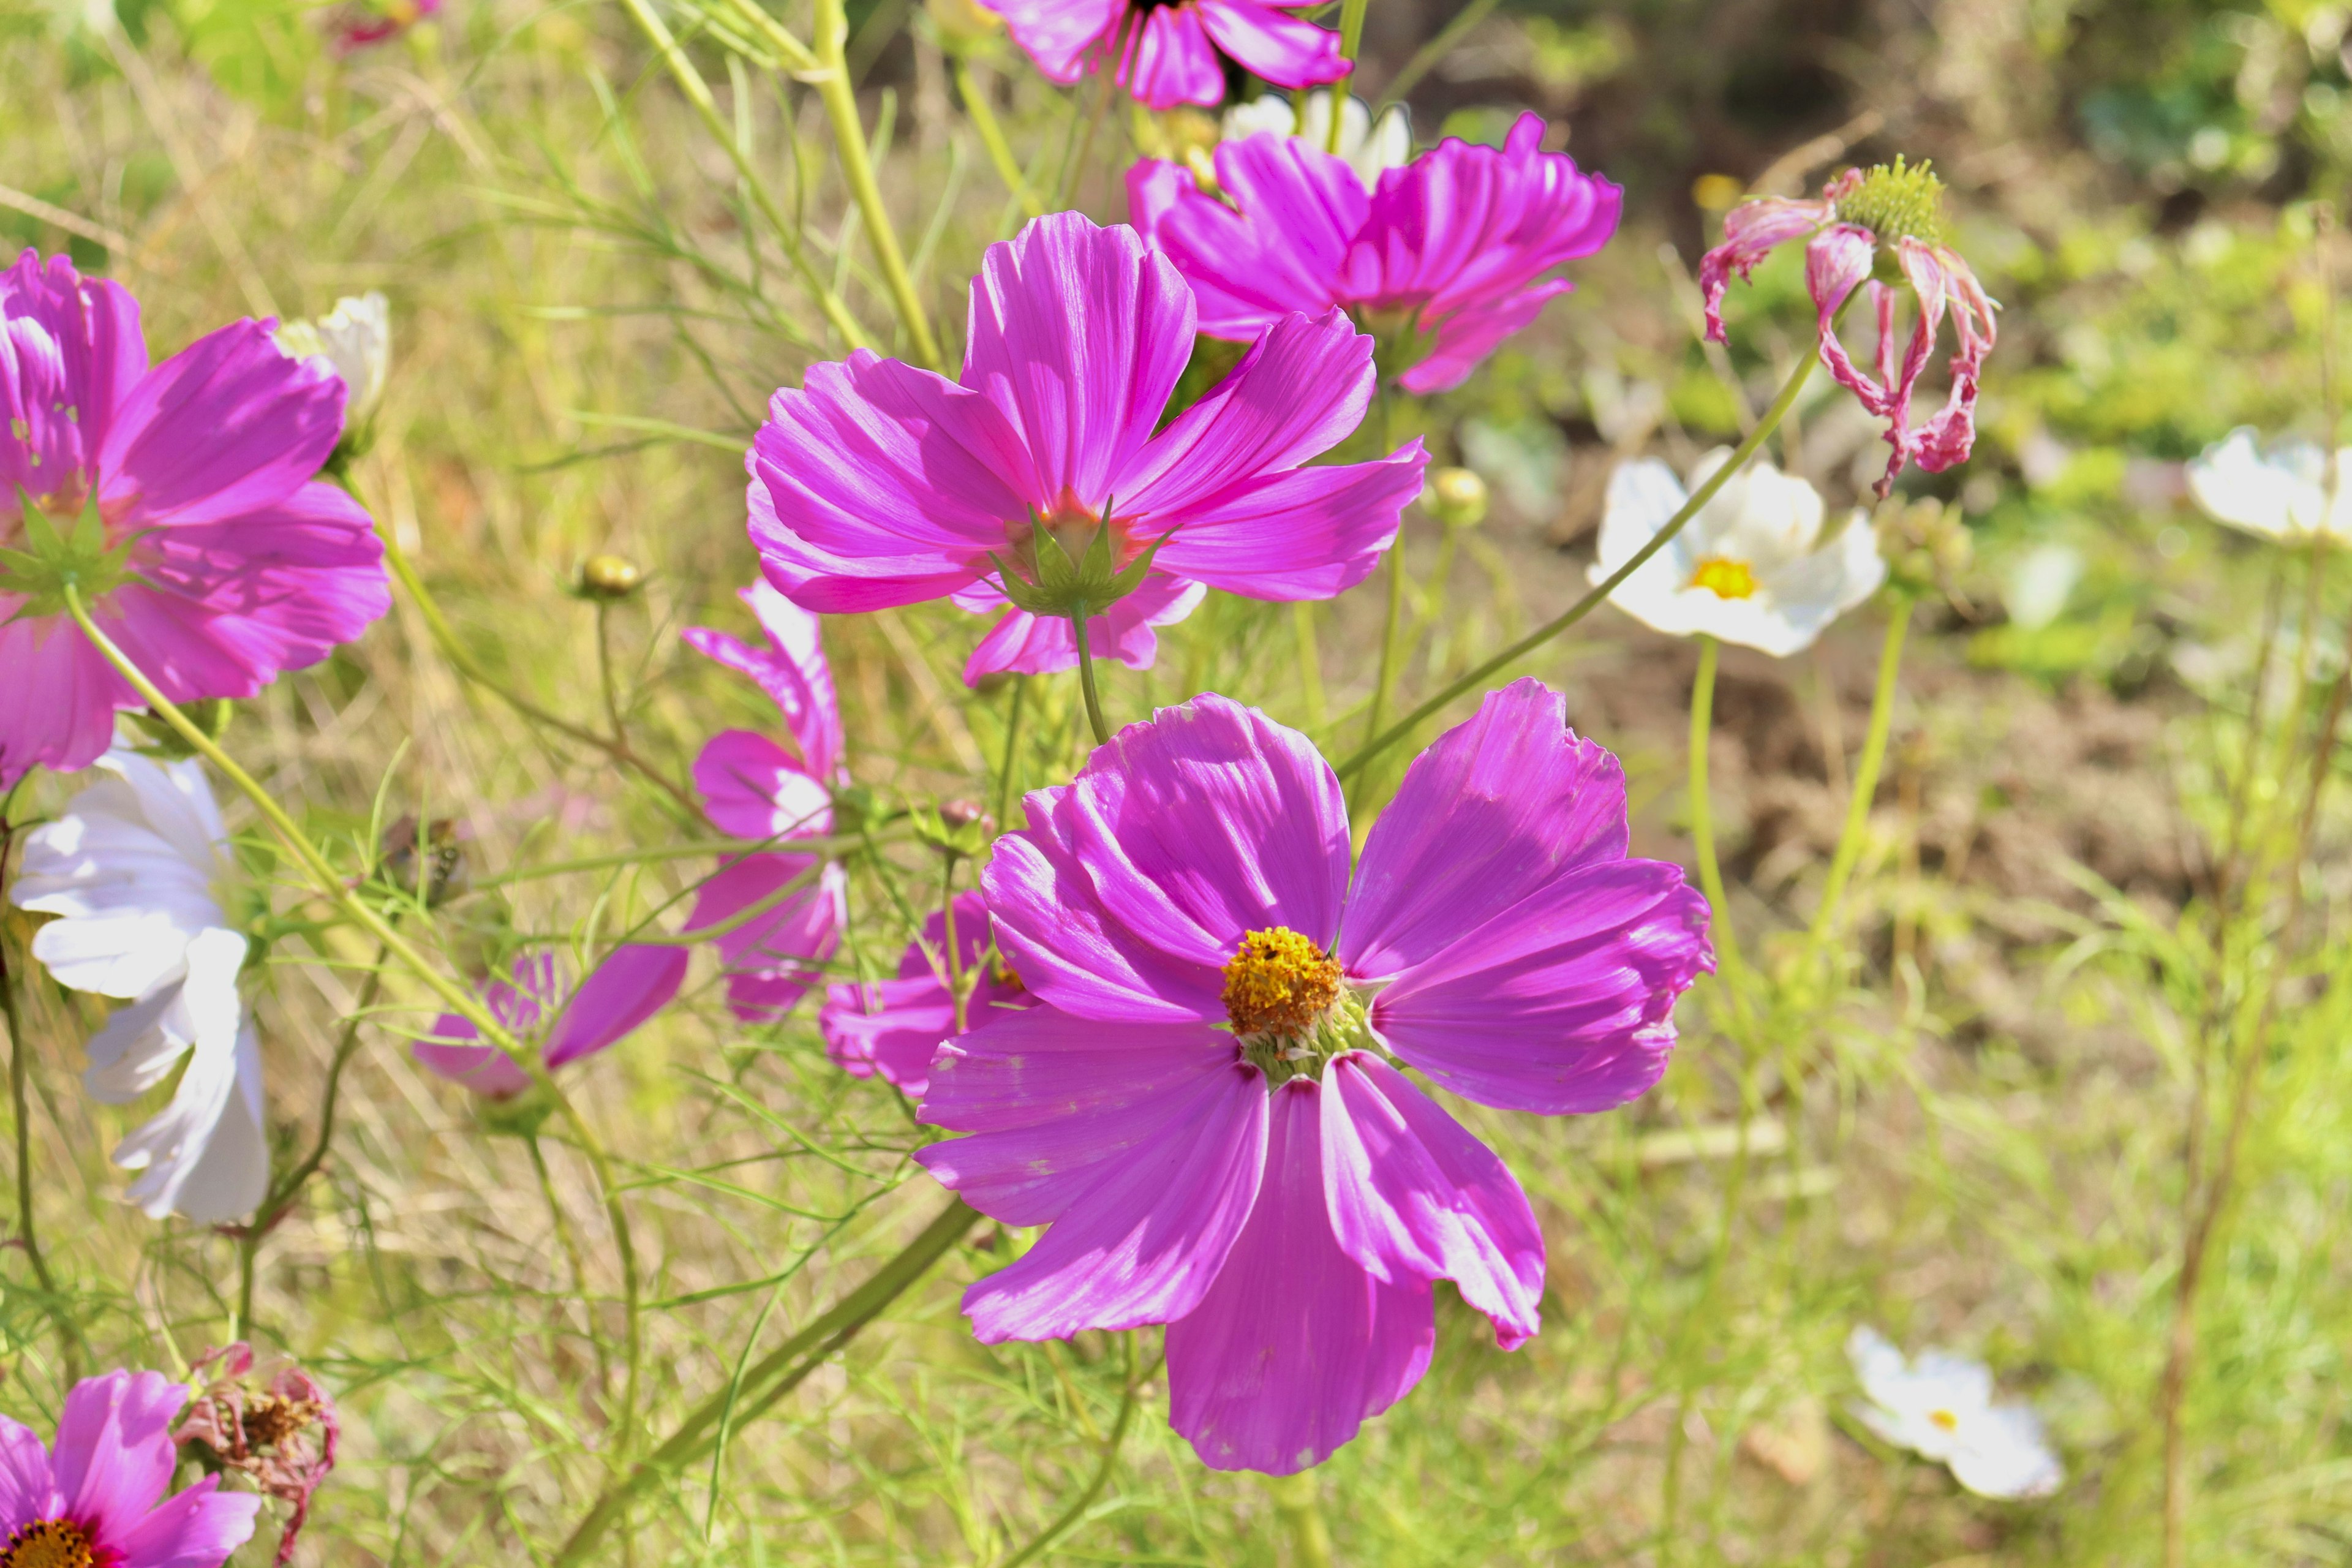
[
  {"x": 630, "y": 986},
  {"x": 1209, "y": 1111},
  {"x": 98, "y": 1495},
  {"x": 1886, "y": 222},
  {"x": 891, "y": 1028},
  {"x": 364, "y": 27},
  {"x": 282, "y": 1436},
  {"x": 753, "y": 788},
  {"x": 880, "y": 484},
  {"x": 180, "y": 499},
  {"x": 1442, "y": 260},
  {"x": 1169, "y": 53}
]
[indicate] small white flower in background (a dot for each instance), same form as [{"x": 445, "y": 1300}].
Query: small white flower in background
[
  {"x": 2035, "y": 589},
  {"x": 135, "y": 870},
  {"x": 355, "y": 338},
  {"x": 1367, "y": 147},
  {"x": 1940, "y": 1407},
  {"x": 2279, "y": 494},
  {"x": 1747, "y": 569}
]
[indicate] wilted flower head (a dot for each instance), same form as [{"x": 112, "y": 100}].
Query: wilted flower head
[
  {"x": 1750, "y": 568},
  {"x": 177, "y": 500},
  {"x": 136, "y": 869},
  {"x": 355, "y": 340},
  {"x": 281, "y": 1435},
  {"x": 1940, "y": 1407},
  {"x": 1207, "y": 1109},
  {"x": 2281, "y": 493},
  {"x": 1885, "y": 225},
  {"x": 1368, "y": 146},
  {"x": 632, "y": 985},
  {"x": 1168, "y": 52},
  {"x": 1440, "y": 260},
  {"x": 877, "y": 483},
  {"x": 97, "y": 1497},
  {"x": 889, "y": 1028}
]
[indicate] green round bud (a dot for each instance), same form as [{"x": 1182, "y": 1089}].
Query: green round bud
[
  {"x": 609, "y": 577},
  {"x": 1455, "y": 497}
]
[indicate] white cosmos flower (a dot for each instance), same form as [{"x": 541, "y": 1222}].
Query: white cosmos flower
[
  {"x": 1745, "y": 570},
  {"x": 1940, "y": 1407},
  {"x": 355, "y": 338},
  {"x": 2279, "y": 494},
  {"x": 134, "y": 870},
  {"x": 1367, "y": 146}
]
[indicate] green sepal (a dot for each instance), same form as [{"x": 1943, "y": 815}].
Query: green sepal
[
  {"x": 52, "y": 560},
  {"x": 1061, "y": 587},
  {"x": 515, "y": 1115}
]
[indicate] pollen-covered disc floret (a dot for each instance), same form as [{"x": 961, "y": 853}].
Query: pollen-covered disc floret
[
  {"x": 48, "y": 1544},
  {"x": 1278, "y": 983},
  {"x": 1897, "y": 201},
  {"x": 1725, "y": 578}
]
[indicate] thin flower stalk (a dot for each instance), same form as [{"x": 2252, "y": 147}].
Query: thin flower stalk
[
  {"x": 1111, "y": 1444},
  {"x": 1865, "y": 778},
  {"x": 28, "y": 1237},
  {"x": 1351, "y": 42},
  {"x": 832, "y": 86},
  {"x": 1734, "y": 972}
]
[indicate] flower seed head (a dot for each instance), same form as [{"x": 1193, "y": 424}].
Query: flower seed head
[
  {"x": 1278, "y": 983},
  {"x": 1897, "y": 201},
  {"x": 609, "y": 577}
]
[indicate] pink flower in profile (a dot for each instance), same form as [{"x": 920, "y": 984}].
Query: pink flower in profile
[
  {"x": 1209, "y": 1110},
  {"x": 1886, "y": 224},
  {"x": 774, "y": 937},
  {"x": 282, "y": 1436},
  {"x": 889, "y": 1028},
  {"x": 178, "y": 497},
  {"x": 1168, "y": 52},
  {"x": 880, "y": 484},
  {"x": 630, "y": 986},
  {"x": 1442, "y": 260},
  {"x": 364, "y": 27},
  {"x": 97, "y": 1498}
]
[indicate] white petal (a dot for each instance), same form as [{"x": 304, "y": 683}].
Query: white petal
[
  {"x": 1644, "y": 496},
  {"x": 124, "y": 955},
  {"x": 357, "y": 335},
  {"x": 139, "y": 1045},
  {"x": 1266, "y": 112},
  {"x": 2273, "y": 494},
  {"x": 219, "y": 1090},
  {"x": 2002, "y": 1453}
]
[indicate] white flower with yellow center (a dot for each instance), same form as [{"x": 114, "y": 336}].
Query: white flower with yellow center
[
  {"x": 1749, "y": 569},
  {"x": 134, "y": 870},
  {"x": 1940, "y": 1407},
  {"x": 355, "y": 338},
  {"x": 1368, "y": 146},
  {"x": 2278, "y": 494}
]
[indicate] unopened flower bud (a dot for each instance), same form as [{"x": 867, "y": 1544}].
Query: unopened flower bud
[
  {"x": 1455, "y": 497},
  {"x": 961, "y": 813},
  {"x": 609, "y": 577},
  {"x": 958, "y": 829}
]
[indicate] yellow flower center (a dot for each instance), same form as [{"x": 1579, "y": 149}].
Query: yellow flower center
[
  {"x": 48, "y": 1544},
  {"x": 1725, "y": 578},
  {"x": 1278, "y": 983},
  {"x": 1945, "y": 1419}
]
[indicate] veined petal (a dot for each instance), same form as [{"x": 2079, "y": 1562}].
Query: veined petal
[
  {"x": 1059, "y": 33},
  {"x": 195, "y": 1528},
  {"x": 1310, "y": 534},
  {"x": 1297, "y": 1345},
  {"x": 791, "y": 670},
  {"x": 891, "y": 1028},
  {"x": 1414, "y": 1196},
  {"x": 70, "y": 351},
  {"x": 1467, "y": 337},
  {"x": 114, "y": 1455},
  {"x": 1281, "y": 50},
  {"x": 139, "y": 1046},
  {"x": 1562, "y": 1002},
  {"x": 27, "y": 1493},
  {"x": 222, "y": 1171},
  {"x": 629, "y": 988},
  {"x": 1837, "y": 261},
  {"x": 752, "y": 788},
  {"x": 1751, "y": 231},
  {"x": 1171, "y": 61},
  {"x": 772, "y": 958},
  {"x": 1504, "y": 804},
  {"x": 1298, "y": 211},
  {"x": 1044, "y": 645},
  {"x": 58, "y": 711}
]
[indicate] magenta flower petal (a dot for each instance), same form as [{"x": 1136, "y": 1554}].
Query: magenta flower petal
[
  {"x": 1170, "y": 60},
  {"x": 1275, "y": 251},
  {"x": 1562, "y": 1002},
  {"x": 1057, "y": 33},
  {"x": 519, "y": 1003},
  {"x": 891, "y": 1028},
  {"x": 1021, "y": 643},
  {"x": 772, "y": 959},
  {"x": 1751, "y": 231},
  {"x": 70, "y": 351},
  {"x": 1297, "y": 1345},
  {"x": 1415, "y": 1196},
  {"x": 1280, "y": 48},
  {"x": 198, "y": 1528},
  {"x": 753, "y": 788},
  {"x": 1083, "y": 387},
  {"x": 629, "y": 988},
  {"x": 1465, "y": 338},
  {"x": 226, "y": 426},
  {"x": 1500, "y": 805},
  {"x": 1306, "y": 534},
  {"x": 113, "y": 1457},
  {"x": 26, "y": 1492},
  {"x": 791, "y": 670},
  {"x": 1142, "y": 1147},
  {"x": 57, "y": 707}
]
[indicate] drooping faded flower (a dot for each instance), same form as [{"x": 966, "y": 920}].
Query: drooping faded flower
[
  {"x": 1440, "y": 260},
  {"x": 281, "y": 1435},
  {"x": 355, "y": 340},
  {"x": 178, "y": 500},
  {"x": 1886, "y": 227},
  {"x": 136, "y": 869},
  {"x": 101, "y": 1495},
  {"x": 1750, "y": 568},
  {"x": 1940, "y": 1407},
  {"x": 774, "y": 937},
  {"x": 880, "y": 484},
  {"x": 632, "y": 985},
  {"x": 1169, "y": 52},
  {"x": 1209, "y": 1110},
  {"x": 1370, "y": 147},
  {"x": 2280, "y": 494},
  {"x": 889, "y": 1028}
]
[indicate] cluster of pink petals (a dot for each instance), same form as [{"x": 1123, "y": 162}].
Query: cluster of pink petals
[
  {"x": 1454, "y": 245},
  {"x": 751, "y": 787},
  {"x": 877, "y": 483},
  {"x": 243, "y": 564},
  {"x": 632, "y": 985},
  {"x": 1511, "y": 952},
  {"x": 889, "y": 1028},
  {"x": 1839, "y": 258},
  {"x": 363, "y": 27},
  {"x": 282, "y": 1436},
  {"x": 1168, "y": 54},
  {"x": 102, "y": 1486}
]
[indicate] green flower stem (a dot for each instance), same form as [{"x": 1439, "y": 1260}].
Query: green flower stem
[
  {"x": 1585, "y": 606},
  {"x": 1297, "y": 1499},
  {"x": 957, "y": 992},
  {"x": 1310, "y": 660},
  {"x": 1086, "y": 1499},
  {"x": 840, "y": 99},
  {"x": 69, "y": 1340},
  {"x": 1086, "y": 677},
  {"x": 1392, "y": 647},
  {"x": 992, "y": 136},
  {"x": 1351, "y": 41},
  {"x": 460, "y": 999},
  {"x": 777, "y": 1374},
  {"x": 832, "y": 846},
  {"x": 1008, "y": 779},
  {"x": 1733, "y": 969},
  {"x": 1865, "y": 778}
]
